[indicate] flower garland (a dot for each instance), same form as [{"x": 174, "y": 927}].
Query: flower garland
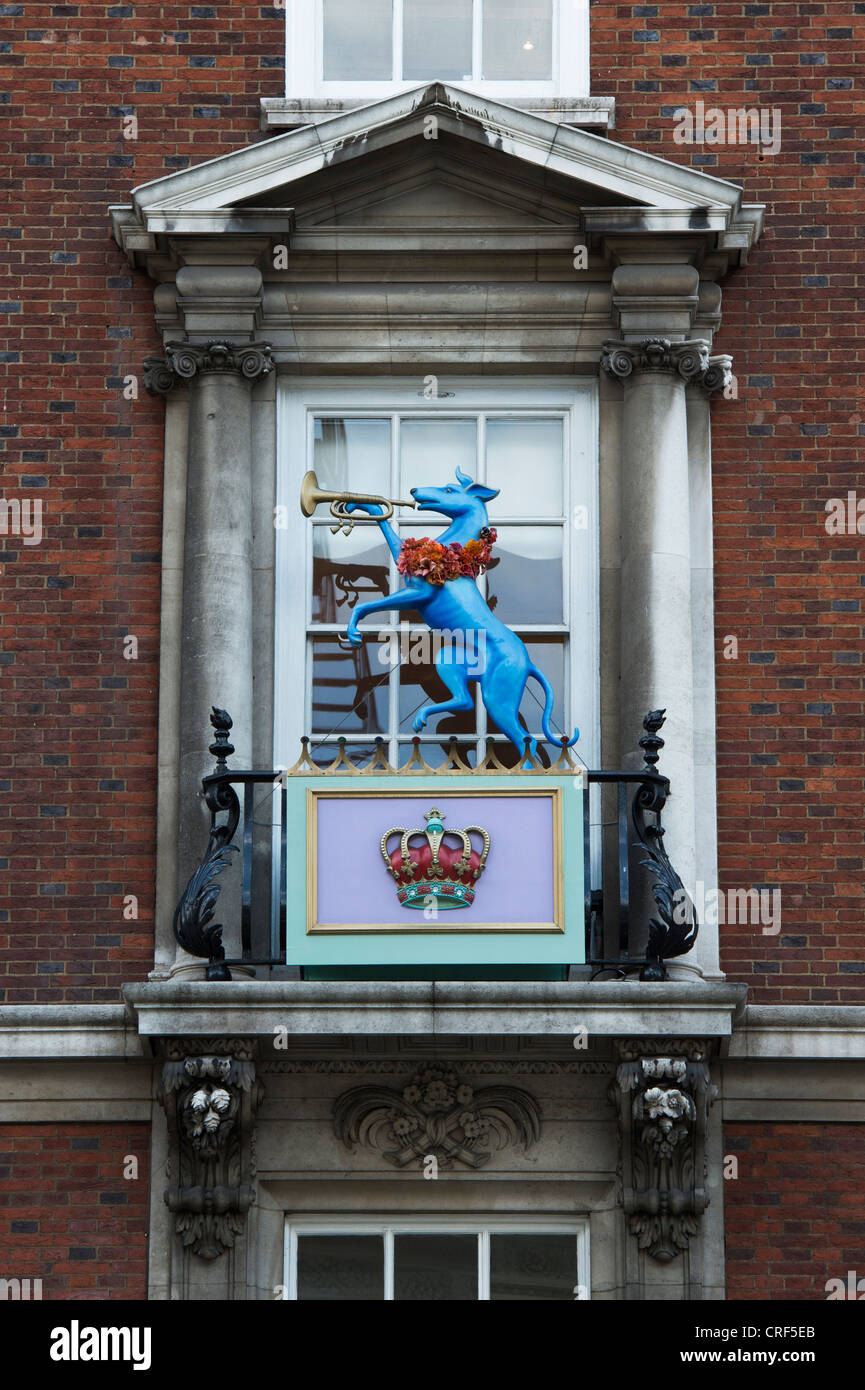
[{"x": 436, "y": 563}]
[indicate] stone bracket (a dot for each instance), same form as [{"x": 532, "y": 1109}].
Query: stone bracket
[
  {"x": 210, "y": 1094},
  {"x": 663, "y": 1094}
]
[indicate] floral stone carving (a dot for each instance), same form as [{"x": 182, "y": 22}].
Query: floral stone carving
[
  {"x": 437, "y": 1115},
  {"x": 210, "y": 1101},
  {"x": 663, "y": 1104}
]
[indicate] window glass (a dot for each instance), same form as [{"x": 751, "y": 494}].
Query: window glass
[
  {"x": 437, "y": 39},
  {"x": 435, "y": 1267},
  {"x": 349, "y": 688},
  {"x": 340, "y": 1267},
  {"x": 524, "y": 461},
  {"x": 352, "y": 455},
  {"x": 432, "y": 450},
  {"x": 358, "y": 40},
  {"x": 525, "y": 578},
  {"x": 346, "y": 571},
  {"x": 518, "y": 40},
  {"x": 533, "y": 1267}
]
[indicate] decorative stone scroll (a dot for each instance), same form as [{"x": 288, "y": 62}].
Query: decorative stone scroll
[
  {"x": 437, "y": 1115},
  {"x": 690, "y": 360},
  {"x": 183, "y": 361},
  {"x": 663, "y": 1094},
  {"x": 210, "y": 1098}
]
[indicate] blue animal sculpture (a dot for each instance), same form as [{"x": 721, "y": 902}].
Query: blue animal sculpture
[{"x": 457, "y": 606}]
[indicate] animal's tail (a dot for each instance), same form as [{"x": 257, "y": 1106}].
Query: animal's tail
[{"x": 548, "y": 708}]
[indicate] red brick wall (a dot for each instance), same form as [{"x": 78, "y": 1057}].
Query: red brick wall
[
  {"x": 67, "y": 1214},
  {"x": 790, "y": 707},
  {"x": 78, "y": 785},
  {"x": 80, "y": 721},
  {"x": 795, "y": 1215}
]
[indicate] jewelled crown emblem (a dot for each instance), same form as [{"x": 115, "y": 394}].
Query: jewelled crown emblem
[{"x": 428, "y": 864}]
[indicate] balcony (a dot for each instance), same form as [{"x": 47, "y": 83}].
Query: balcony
[{"x": 634, "y": 915}]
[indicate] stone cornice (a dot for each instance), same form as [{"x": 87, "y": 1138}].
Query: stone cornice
[
  {"x": 672, "y": 1008},
  {"x": 183, "y": 361}
]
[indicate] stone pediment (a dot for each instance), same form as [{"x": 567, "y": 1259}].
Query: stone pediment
[{"x": 436, "y": 157}]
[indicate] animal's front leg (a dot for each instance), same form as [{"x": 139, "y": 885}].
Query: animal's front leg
[{"x": 403, "y": 598}]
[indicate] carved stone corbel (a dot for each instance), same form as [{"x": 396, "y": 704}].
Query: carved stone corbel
[
  {"x": 663, "y": 1093},
  {"x": 210, "y": 1094}
]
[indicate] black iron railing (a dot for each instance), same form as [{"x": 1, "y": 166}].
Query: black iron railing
[{"x": 623, "y": 935}]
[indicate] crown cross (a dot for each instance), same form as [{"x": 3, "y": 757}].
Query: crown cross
[{"x": 432, "y": 866}]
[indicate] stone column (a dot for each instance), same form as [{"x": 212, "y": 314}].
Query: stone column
[
  {"x": 217, "y": 646},
  {"x": 657, "y": 666},
  {"x": 656, "y": 649}
]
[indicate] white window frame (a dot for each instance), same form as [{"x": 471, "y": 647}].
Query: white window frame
[
  {"x": 297, "y": 405},
  {"x": 482, "y": 1227},
  {"x": 304, "y": 59}
]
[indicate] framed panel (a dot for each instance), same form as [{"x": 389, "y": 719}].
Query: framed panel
[{"x": 527, "y": 905}]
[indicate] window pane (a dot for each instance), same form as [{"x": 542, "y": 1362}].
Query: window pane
[
  {"x": 437, "y": 39},
  {"x": 548, "y": 654},
  {"x": 340, "y": 1267},
  {"x": 518, "y": 40},
  {"x": 358, "y": 40},
  {"x": 349, "y": 688},
  {"x": 524, "y": 461},
  {"x": 526, "y": 583},
  {"x": 347, "y": 571},
  {"x": 432, "y": 450},
  {"x": 435, "y": 1267},
  {"x": 533, "y": 1267},
  {"x": 436, "y": 754},
  {"x": 421, "y": 684},
  {"x": 352, "y": 456}
]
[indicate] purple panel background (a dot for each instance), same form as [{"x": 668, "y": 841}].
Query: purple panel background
[{"x": 354, "y": 885}]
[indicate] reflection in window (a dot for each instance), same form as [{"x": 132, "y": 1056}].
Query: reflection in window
[
  {"x": 437, "y": 39},
  {"x": 524, "y": 582},
  {"x": 346, "y": 571},
  {"x": 349, "y": 691},
  {"x": 357, "y": 40},
  {"x": 433, "y": 1268},
  {"x": 333, "y": 1268},
  {"x": 533, "y": 1267},
  {"x": 518, "y": 40}
]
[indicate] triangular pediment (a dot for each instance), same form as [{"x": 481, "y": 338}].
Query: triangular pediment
[{"x": 437, "y": 156}]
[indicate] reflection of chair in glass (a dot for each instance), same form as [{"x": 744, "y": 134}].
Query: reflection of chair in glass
[
  {"x": 346, "y": 691},
  {"x": 339, "y": 585}
]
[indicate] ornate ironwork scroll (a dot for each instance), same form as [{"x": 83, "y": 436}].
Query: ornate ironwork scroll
[
  {"x": 194, "y": 927},
  {"x": 663, "y": 1106},
  {"x": 674, "y": 931},
  {"x": 210, "y": 1100}
]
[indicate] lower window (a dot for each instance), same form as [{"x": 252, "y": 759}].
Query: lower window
[{"x": 426, "y": 1259}]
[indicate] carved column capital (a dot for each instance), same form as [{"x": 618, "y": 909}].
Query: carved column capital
[
  {"x": 718, "y": 375},
  {"x": 621, "y": 359},
  {"x": 663, "y": 1093},
  {"x": 210, "y": 1094},
  {"x": 183, "y": 361}
]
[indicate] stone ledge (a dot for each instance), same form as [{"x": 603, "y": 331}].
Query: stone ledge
[
  {"x": 671, "y": 1009},
  {"x": 599, "y": 113},
  {"x": 800, "y": 1031},
  {"x": 38, "y": 1032}
]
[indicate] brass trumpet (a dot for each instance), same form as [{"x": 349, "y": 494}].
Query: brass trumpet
[{"x": 312, "y": 496}]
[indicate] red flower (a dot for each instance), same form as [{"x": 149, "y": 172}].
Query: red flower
[{"x": 436, "y": 563}]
